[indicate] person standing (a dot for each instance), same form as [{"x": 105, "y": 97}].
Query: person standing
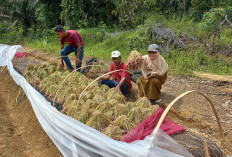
[
  {"x": 121, "y": 80},
  {"x": 75, "y": 44},
  {"x": 154, "y": 74}
]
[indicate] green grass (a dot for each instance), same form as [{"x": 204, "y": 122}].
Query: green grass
[
  {"x": 184, "y": 63},
  {"x": 94, "y": 45}
]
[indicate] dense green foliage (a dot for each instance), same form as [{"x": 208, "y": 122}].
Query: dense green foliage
[{"x": 89, "y": 13}]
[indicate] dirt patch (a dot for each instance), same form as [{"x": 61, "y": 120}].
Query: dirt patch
[
  {"x": 194, "y": 112},
  {"x": 20, "y": 131}
]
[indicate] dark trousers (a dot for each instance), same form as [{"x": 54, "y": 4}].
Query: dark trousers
[
  {"x": 66, "y": 51},
  {"x": 111, "y": 83}
]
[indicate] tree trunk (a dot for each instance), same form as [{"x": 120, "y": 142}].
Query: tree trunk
[
  {"x": 184, "y": 5},
  {"x": 215, "y": 33}
]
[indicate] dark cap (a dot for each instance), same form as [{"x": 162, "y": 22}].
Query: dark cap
[{"x": 59, "y": 28}]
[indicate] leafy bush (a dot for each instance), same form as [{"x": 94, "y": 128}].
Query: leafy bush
[{"x": 210, "y": 20}]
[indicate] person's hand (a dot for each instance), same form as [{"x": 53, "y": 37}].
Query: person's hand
[
  {"x": 78, "y": 61},
  {"x": 118, "y": 90},
  {"x": 150, "y": 76},
  {"x": 61, "y": 65}
]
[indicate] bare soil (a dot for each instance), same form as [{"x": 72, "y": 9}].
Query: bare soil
[
  {"x": 20, "y": 132},
  {"x": 22, "y": 135}
]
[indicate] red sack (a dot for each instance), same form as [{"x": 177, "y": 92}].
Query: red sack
[
  {"x": 146, "y": 127},
  {"x": 20, "y": 55}
]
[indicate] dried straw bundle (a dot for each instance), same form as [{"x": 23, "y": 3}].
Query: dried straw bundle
[
  {"x": 105, "y": 88},
  {"x": 71, "y": 107},
  {"x": 120, "y": 109},
  {"x": 104, "y": 67},
  {"x": 124, "y": 123},
  {"x": 51, "y": 90},
  {"x": 61, "y": 95},
  {"x": 78, "y": 89},
  {"x": 130, "y": 105},
  {"x": 71, "y": 97},
  {"x": 98, "y": 121},
  {"x": 29, "y": 76},
  {"x": 143, "y": 102},
  {"x": 105, "y": 106},
  {"x": 99, "y": 97},
  {"x": 87, "y": 96},
  {"x": 84, "y": 115},
  {"x": 91, "y": 104},
  {"x": 115, "y": 132},
  {"x": 30, "y": 67},
  {"x": 94, "y": 86},
  {"x": 55, "y": 77},
  {"x": 147, "y": 112},
  {"x": 51, "y": 69},
  {"x": 112, "y": 94},
  {"x": 94, "y": 68},
  {"x": 83, "y": 80},
  {"x": 43, "y": 85},
  {"x": 54, "y": 64},
  {"x": 136, "y": 115},
  {"x": 42, "y": 75}
]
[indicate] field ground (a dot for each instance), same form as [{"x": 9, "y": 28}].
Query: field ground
[{"x": 22, "y": 135}]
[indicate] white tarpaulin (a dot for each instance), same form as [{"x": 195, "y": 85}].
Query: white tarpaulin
[{"x": 75, "y": 139}]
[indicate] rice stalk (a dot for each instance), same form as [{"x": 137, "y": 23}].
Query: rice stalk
[
  {"x": 136, "y": 115},
  {"x": 143, "y": 102},
  {"x": 98, "y": 121},
  {"x": 124, "y": 123},
  {"x": 120, "y": 109},
  {"x": 84, "y": 115},
  {"x": 115, "y": 132}
]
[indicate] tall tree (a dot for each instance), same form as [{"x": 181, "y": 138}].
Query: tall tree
[
  {"x": 72, "y": 12},
  {"x": 48, "y": 13},
  {"x": 21, "y": 11}
]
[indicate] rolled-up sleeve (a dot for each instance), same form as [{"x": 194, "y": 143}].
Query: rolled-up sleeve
[{"x": 61, "y": 41}]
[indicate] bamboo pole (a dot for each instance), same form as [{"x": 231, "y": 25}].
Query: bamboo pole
[{"x": 155, "y": 131}]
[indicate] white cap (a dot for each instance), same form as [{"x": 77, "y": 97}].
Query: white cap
[
  {"x": 115, "y": 54},
  {"x": 153, "y": 47}
]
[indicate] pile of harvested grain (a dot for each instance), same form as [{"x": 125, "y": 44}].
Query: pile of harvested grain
[
  {"x": 99, "y": 106},
  {"x": 98, "y": 120}
]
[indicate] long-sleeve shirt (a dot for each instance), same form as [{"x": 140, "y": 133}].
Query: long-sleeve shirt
[{"x": 158, "y": 65}]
